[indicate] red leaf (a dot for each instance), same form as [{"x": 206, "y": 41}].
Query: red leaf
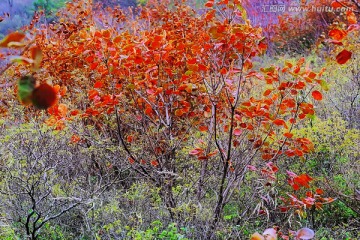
[
  {"x": 138, "y": 60},
  {"x": 343, "y": 56},
  {"x": 131, "y": 160},
  {"x": 44, "y": 96},
  {"x": 336, "y": 4},
  {"x": 288, "y": 135},
  {"x": 280, "y": 122},
  {"x": 93, "y": 65},
  {"x": 319, "y": 191},
  {"x": 295, "y": 187},
  {"x": 98, "y": 84},
  {"x": 266, "y": 156},
  {"x": 74, "y": 112},
  {"x": 203, "y": 128},
  {"x": 223, "y": 71},
  {"x": 191, "y": 61},
  {"x": 209, "y": 4},
  {"x": 303, "y": 180},
  {"x": 317, "y": 95},
  {"x": 148, "y": 111},
  {"x": 129, "y": 138},
  {"x": 154, "y": 163}
]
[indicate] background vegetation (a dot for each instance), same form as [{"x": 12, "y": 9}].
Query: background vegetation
[{"x": 157, "y": 147}]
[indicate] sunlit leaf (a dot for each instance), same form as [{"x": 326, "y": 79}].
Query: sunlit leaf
[
  {"x": 62, "y": 108},
  {"x": 351, "y": 17},
  {"x": 305, "y": 234},
  {"x": 337, "y": 34},
  {"x": 21, "y": 60},
  {"x": 257, "y": 236},
  {"x": 324, "y": 85},
  {"x": 270, "y": 234},
  {"x": 36, "y": 56}
]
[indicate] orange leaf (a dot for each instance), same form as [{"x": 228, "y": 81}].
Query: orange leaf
[
  {"x": 266, "y": 156},
  {"x": 303, "y": 180},
  {"x": 257, "y": 236},
  {"x": 343, "y": 56},
  {"x": 106, "y": 33},
  {"x": 62, "y": 108},
  {"x": 12, "y": 37},
  {"x": 203, "y": 128},
  {"x": 267, "y": 92},
  {"x": 36, "y": 55},
  {"x": 351, "y": 17},
  {"x": 57, "y": 88},
  {"x": 92, "y": 94},
  {"x": 179, "y": 112},
  {"x": 288, "y": 135},
  {"x": 117, "y": 39},
  {"x": 75, "y": 138},
  {"x": 317, "y": 95},
  {"x": 337, "y": 34}
]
